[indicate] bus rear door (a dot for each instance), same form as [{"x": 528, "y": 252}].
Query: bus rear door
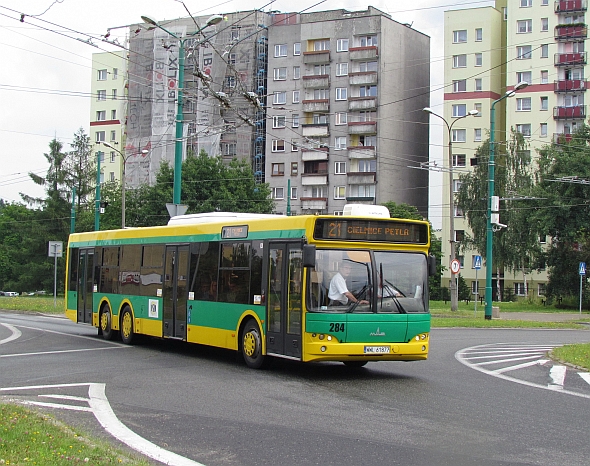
[
  {"x": 283, "y": 335},
  {"x": 174, "y": 293},
  {"x": 85, "y": 285}
]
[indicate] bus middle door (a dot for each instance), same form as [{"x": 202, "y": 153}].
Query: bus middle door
[
  {"x": 283, "y": 333},
  {"x": 85, "y": 285},
  {"x": 174, "y": 293}
]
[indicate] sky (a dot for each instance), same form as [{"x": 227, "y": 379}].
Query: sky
[{"x": 46, "y": 69}]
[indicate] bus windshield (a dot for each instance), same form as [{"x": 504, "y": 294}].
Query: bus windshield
[{"x": 361, "y": 281}]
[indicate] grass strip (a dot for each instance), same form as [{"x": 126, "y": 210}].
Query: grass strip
[{"x": 577, "y": 355}]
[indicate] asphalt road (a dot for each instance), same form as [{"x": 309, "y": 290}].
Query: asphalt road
[{"x": 485, "y": 397}]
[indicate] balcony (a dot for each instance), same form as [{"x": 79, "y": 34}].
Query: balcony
[
  {"x": 316, "y": 105},
  {"x": 314, "y": 179},
  {"x": 362, "y": 103},
  {"x": 316, "y": 58},
  {"x": 314, "y": 203},
  {"x": 577, "y": 112},
  {"x": 363, "y": 53},
  {"x": 561, "y": 138},
  {"x": 321, "y": 81},
  {"x": 570, "y": 85},
  {"x": 570, "y": 6},
  {"x": 568, "y": 32},
  {"x": 362, "y": 78},
  {"x": 310, "y": 154},
  {"x": 362, "y": 127},
  {"x": 361, "y": 177},
  {"x": 566, "y": 59},
  {"x": 316, "y": 130},
  {"x": 361, "y": 152}
]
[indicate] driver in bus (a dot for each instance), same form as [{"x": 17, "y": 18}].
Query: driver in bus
[{"x": 338, "y": 292}]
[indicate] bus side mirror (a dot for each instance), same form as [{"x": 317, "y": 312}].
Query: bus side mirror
[
  {"x": 309, "y": 255},
  {"x": 431, "y": 265}
]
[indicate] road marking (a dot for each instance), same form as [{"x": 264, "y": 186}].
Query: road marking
[
  {"x": 557, "y": 374},
  {"x": 16, "y": 333},
  {"x": 585, "y": 376},
  {"x": 99, "y": 405},
  {"x": 539, "y": 362},
  {"x": 39, "y": 353},
  {"x": 464, "y": 357}
]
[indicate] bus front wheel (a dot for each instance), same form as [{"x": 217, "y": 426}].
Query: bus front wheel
[
  {"x": 105, "y": 323},
  {"x": 251, "y": 345},
  {"x": 127, "y": 333}
]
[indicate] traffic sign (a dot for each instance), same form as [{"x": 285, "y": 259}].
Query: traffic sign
[
  {"x": 582, "y": 270},
  {"x": 477, "y": 262},
  {"x": 455, "y": 266}
]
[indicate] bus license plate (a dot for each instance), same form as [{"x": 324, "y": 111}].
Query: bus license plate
[{"x": 376, "y": 349}]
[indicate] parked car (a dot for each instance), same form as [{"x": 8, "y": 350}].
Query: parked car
[{"x": 10, "y": 293}]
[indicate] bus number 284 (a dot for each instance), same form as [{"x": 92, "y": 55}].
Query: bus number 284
[{"x": 336, "y": 327}]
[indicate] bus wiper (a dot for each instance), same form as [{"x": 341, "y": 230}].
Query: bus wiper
[{"x": 392, "y": 292}]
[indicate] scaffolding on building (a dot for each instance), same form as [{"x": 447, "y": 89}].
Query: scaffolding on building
[{"x": 260, "y": 131}]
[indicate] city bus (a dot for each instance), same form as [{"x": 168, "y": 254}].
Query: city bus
[{"x": 261, "y": 284}]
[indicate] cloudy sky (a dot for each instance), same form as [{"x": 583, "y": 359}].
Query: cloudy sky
[{"x": 46, "y": 72}]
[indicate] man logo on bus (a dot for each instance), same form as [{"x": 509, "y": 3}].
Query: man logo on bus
[{"x": 377, "y": 333}]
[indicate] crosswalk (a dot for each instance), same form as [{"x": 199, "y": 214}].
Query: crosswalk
[{"x": 528, "y": 365}]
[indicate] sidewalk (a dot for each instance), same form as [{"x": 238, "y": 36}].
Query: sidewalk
[{"x": 544, "y": 316}]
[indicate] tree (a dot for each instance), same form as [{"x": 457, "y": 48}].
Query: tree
[{"x": 81, "y": 167}]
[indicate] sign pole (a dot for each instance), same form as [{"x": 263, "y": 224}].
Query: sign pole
[{"x": 582, "y": 272}]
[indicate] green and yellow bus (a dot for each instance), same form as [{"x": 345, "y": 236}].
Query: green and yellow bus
[{"x": 260, "y": 284}]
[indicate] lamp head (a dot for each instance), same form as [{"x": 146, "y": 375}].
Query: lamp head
[
  {"x": 521, "y": 85},
  {"x": 213, "y": 20},
  {"x": 473, "y": 112},
  {"x": 427, "y": 110},
  {"x": 149, "y": 20}
]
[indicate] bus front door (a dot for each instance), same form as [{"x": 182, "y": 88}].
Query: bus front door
[
  {"x": 174, "y": 293},
  {"x": 283, "y": 336},
  {"x": 85, "y": 285}
]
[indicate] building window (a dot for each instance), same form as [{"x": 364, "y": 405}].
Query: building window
[
  {"x": 524, "y": 76},
  {"x": 544, "y": 24},
  {"x": 280, "y": 74},
  {"x": 340, "y": 168},
  {"x": 341, "y": 118},
  {"x": 341, "y": 93},
  {"x": 295, "y": 97},
  {"x": 339, "y": 192},
  {"x": 458, "y": 211},
  {"x": 320, "y": 45},
  {"x": 279, "y": 98},
  {"x": 363, "y": 190},
  {"x": 321, "y": 70},
  {"x": 478, "y": 59},
  {"x": 545, "y": 51},
  {"x": 319, "y": 191},
  {"x": 478, "y": 84},
  {"x": 278, "y": 121},
  {"x": 231, "y": 59},
  {"x": 543, "y": 130},
  {"x": 477, "y": 107},
  {"x": 230, "y": 81},
  {"x": 523, "y": 104},
  {"x": 460, "y": 61},
  {"x": 113, "y": 135},
  {"x": 113, "y": 114},
  {"x": 459, "y": 160},
  {"x": 340, "y": 143},
  {"x": 294, "y": 145},
  {"x": 524, "y": 52},
  {"x": 115, "y": 73},
  {"x": 524, "y": 26},
  {"x": 456, "y": 185},
  {"x": 296, "y": 72},
  {"x": 235, "y": 33},
  {"x": 102, "y": 75},
  {"x": 100, "y": 136},
  {"x": 342, "y": 45},
  {"x": 101, "y": 95},
  {"x": 341, "y": 69},
  {"x": 367, "y": 166},
  {"x": 111, "y": 176},
  {"x": 293, "y": 192},
  {"x": 544, "y": 103},
  {"x": 525, "y": 130},
  {"x": 542, "y": 289},
  {"x": 114, "y": 94},
  {"x": 526, "y": 3},
  {"x": 228, "y": 149},
  {"x": 459, "y": 236},
  {"x": 278, "y": 193},
  {"x": 113, "y": 156},
  {"x": 297, "y": 48},
  {"x": 101, "y": 115},
  {"x": 278, "y": 145},
  {"x": 368, "y": 91},
  {"x": 281, "y": 50},
  {"x": 477, "y": 134},
  {"x": 278, "y": 169},
  {"x": 519, "y": 289},
  {"x": 459, "y": 36},
  {"x": 367, "y": 66},
  {"x": 368, "y": 141},
  {"x": 460, "y": 85},
  {"x": 367, "y": 41},
  {"x": 459, "y": 110},
  {"x": 294, "y": 168},
  {"x": 320, "y": 119},
  {"x": 295, "y": 120},
  {"x": 478, "y": 34}
]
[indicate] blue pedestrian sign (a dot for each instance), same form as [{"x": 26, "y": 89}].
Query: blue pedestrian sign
[
  {"x": 477, "y": 262},
  {"x": 582, "y": 268}
]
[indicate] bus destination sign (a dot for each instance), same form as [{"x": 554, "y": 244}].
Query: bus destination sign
[
  {"x": 391, "y": 231},
  {"x": 234, "y": 232}
]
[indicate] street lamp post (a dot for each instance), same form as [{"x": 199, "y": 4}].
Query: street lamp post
[
  {"x": 215, "y": 19},
  {"x": 454, "y": 294},
  {"x": 97, "y": 196},
  {"x": 106, "y": 144},
  {"x": 491, "y": 181}
]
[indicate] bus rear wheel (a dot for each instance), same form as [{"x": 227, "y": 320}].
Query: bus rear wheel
[
  {"x": 105, "y": 323},
  {"x": 251, "y": 345},
  {"x": 127, "y": 334}
]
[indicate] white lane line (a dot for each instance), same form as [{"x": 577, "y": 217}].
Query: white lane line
[
  {"x": 585, "y": 376},
  {"x": 503, "y": 355},
  {"x": 557, "y": 374},
  {"x": 85, "y": 337},
  {"x": 510, "y": 349},
  {"x": 57, "y": 405},
  {"x": 16, "y": 333},
  {"x": 40, "y": 353},
  {"x": 101, "y": 408},
  {"x": 497, "y": 361},
  {"x": 520, "y": 366}
]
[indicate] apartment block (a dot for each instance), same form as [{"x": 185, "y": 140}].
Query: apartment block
[{"x": 108, "y": 110}]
